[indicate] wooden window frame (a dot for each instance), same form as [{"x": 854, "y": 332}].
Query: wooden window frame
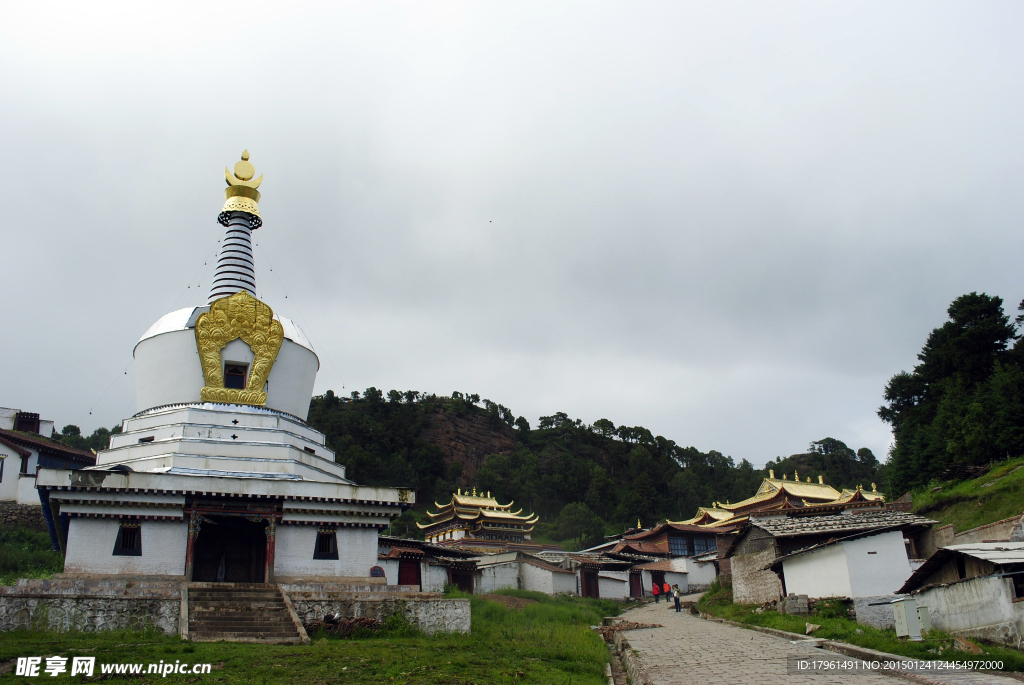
[
  {"x": 133, "y": 538},
  {"x": 326, "y": 546}
]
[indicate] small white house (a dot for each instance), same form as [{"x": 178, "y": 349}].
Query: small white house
[
  {"x": 22, "y": 453},
  {"x": 865, "y": 566},
  {"x": 522, "y": 571}
]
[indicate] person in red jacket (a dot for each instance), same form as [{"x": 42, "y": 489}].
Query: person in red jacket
[
  {"x": 665, "y": 589},
  {"x": 657, "y": 592}
]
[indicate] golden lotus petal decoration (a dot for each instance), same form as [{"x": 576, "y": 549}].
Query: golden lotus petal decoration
[{"x": 238, "y": 316}]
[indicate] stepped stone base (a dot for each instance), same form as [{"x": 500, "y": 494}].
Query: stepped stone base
[{"x": 243, "y": 612}]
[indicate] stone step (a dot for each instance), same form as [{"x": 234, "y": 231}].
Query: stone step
[
  {"x": 240, "y": 613},
  {"x": 228, "y": 604},
  {"x": 245, "y": 637},
  {"x": 241, "y": 625},
  {"x": 241, "y": 593},
  {"x": 287, "y": 631}
]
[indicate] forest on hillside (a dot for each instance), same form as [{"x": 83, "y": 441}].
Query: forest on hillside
[
  {"x": 583, "y": 479},
  {"x": 963, "y": 403}
]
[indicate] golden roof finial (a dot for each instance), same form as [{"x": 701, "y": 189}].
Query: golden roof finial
[
  {"x": 638, "y": 524},
  {"x": 784, "y": 477},
  {"x": 874, "y": 488},
  {"x": 474, "y": 492},
  {"x": 771, "y": 473},
  {"x": 821, "y": 480},
  {"x": 488, "y": 494},
  {"x": 808, "y": 479},
  {"x": 241, "y": 193},
  {"x": 796, "y": 476},
  {"x": 460, "y": 492}
]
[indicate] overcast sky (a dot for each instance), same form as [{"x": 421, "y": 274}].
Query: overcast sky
[{"x": 728, "y": 222}]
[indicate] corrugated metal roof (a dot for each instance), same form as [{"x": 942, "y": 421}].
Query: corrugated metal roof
[{"x": 995, "y": 552}]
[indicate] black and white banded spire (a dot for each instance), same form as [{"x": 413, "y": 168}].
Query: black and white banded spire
[
  {"x": 240, "y": 214},
  {"x": 235, "y": 267}
]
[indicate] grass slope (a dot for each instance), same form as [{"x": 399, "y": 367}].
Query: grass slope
[
  {"x": 972, "y": 503},
  {"x": 546, "y": 642},
  {"x": 25, "y": 553},
  {"x": 836, "y": 625}
]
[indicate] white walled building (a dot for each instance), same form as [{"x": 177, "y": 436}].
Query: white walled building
[
  {"x": 22, "y": 454},
  {"x": 522, "y": 571},
  {"x": 218, "y": 477},
  {"x": 868, "y": 566}
]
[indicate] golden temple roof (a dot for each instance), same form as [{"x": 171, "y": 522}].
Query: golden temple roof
[
  {"x": 783, "y": 488},
  {"x": 477, "y": 507}
]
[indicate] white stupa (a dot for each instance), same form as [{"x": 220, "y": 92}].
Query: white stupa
[{"x": 218, "y": 477}]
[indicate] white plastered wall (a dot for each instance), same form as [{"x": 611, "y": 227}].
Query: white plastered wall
[
  {"x": 167, "y": 370},
  {"x": 91, "y": 547},
  {"x": 490, "y": 578},
  {"x": 700, "y": 574},
  {"x": 11, "y": 464},
  {"x": 612, "y": 588},
  {"x": 294, "y": 546},
  {"x": 435, "y": 578},
  {"x": 563, "y": 583},
  {"x": 822, "y": 573},
  {"x": 537, "y": 579},
  {"x": 27, "y": 493},
  {"x": 878, "y": 564}
]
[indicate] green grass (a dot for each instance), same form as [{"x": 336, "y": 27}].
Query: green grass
[
  {"x": 969, "y": 504},
  {"x": 835, "y": 625},
  {"x": 25, "y": 553},
  {"x": 547, "y": 642}
]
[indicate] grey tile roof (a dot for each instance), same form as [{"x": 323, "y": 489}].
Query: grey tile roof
[{"x": 840, "y": 523}]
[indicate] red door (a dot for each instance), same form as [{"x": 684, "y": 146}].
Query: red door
[
  {"x": 588, "y": 580},
  {"x": 409, "y": 572},
  {"x": 636, "y": 585}
]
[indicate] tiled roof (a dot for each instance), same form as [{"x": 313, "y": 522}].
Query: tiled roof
[
  {"x": 641, "y": 547},
  {"x": 47, "y": 446},
  {"x": 18, "y": 450},
  {"x": 839, "y": 523},
  {"x": 662, "y": 527}
]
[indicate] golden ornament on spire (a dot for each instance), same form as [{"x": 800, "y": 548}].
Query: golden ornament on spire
[{"x": 241, "y": 193}]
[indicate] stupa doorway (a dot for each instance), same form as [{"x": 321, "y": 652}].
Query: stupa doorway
[{"x": 230, "y": 549}]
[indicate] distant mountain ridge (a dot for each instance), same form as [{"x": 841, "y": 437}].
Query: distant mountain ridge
[{"x": 583, "y": 479}]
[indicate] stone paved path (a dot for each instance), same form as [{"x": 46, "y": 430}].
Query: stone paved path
[{"x": 691, "y": 650}]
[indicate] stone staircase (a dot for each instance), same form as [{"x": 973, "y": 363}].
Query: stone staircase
[{"x": 240, "y": 612}]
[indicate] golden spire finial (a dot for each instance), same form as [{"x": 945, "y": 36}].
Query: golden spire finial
[
  {"x": 771, "y": 473},
  {"x": 638, "y": 524},
  {"x": 874, "y": 488},
  {"x": 474, "y": 492},
  {"x": 241, "y": 193},
  {"x": 821, "y": 480}
]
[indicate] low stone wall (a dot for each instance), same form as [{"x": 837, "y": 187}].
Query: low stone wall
[
  {"x": 429, "y": 611},
  {"x": 66, "y": 605},
  {"x": 879, "y": 616},
  {"x": 14, "y": 515}
]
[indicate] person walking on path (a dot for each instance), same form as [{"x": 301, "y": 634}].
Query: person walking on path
[
  {"x": 665, "y": 591},
  {"x": 675, "y": 596},
  {"x": 657, "y": 592}
]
